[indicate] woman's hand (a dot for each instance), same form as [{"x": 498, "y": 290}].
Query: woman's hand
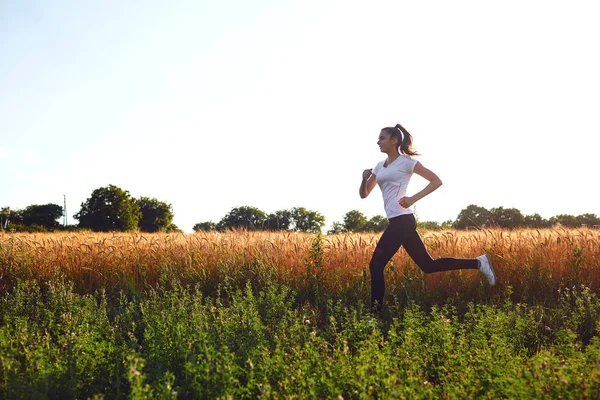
[
  {"x": 368, "y": 183},
  {"x": 407, "y": 201}
]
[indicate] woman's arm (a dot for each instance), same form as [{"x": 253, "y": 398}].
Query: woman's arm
[
  {"x": 434, "y": 183},
  {"x": 368, "y": 183}
]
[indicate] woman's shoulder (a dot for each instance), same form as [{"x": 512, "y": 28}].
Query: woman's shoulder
[
  {"x": 407, "y": 164},
  {"x": 409, "y": 159}
]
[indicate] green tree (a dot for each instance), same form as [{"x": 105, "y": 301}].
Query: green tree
[
  {"x": 509, "y": 218},
  {"x": 173, "y": 228},
  {"x": 355, "y": 221},
  {"x": 304, "y": 220},
  {"x": 447, "y": 224},
  {"x": 429, "y": 225},
  {"x": 535, "y": 221},
  {"x": 68, "y": 228},
  {"x": 378, "y": 223},
  {"x": 43, "y": 215},
  {"x": 109, "y": 209},
  {"x": 247, "y": 217},
  {"x": 588, "y": 220},
  {"x": 4, "y": 217},
  {"x": 336, "y": 227},
  {"x": 566, "y": 220},
  {"x": 156, "y": 215},
  {"x": 473, "y": 217},
  {"x": 279, "y": 221},
  {"x": 205, "y": 226},
  {"x": 11, "y": 219}
]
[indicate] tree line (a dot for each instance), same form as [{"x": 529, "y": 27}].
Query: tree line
[
  {"x": 297, "y": 219},
  {"x": 108, "y": 209},
  {"x": 511, "y": 218},
  {"x": 472, "y": 217},
  {"x": 111, "y": 208}
]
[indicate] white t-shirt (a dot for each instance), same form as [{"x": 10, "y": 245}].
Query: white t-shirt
[{"x": 393, "y": 181}]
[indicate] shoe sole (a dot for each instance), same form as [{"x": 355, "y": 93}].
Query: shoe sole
[{"x": 491, "y": 268}]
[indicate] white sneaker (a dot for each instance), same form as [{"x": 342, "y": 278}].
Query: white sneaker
[{"x": 485, "y": 266}]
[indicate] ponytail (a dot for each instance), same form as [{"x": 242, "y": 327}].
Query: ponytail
[{"x": 404, "y": 140}]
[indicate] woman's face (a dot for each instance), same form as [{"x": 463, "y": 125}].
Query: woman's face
[{"x": 386, "y": 142}]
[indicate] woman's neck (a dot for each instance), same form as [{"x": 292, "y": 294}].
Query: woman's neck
[{"x": 392, "y": 156}]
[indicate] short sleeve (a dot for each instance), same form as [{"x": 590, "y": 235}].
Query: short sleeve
[
  {"x": 411, "y": 164},
  {"x": 377, "y": 168}
]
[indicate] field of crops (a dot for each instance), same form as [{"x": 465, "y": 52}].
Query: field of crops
[{"x": 284, "y": 315}]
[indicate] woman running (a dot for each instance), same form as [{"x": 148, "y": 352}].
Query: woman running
[{"x": 393, "y": 175}]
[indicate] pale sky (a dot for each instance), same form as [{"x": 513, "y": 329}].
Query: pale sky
[{"x": 210, "y": 105}]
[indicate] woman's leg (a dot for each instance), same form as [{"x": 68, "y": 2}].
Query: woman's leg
[
  {"x": 388, "y": 245},
  {"x": 416, "y": 250}
]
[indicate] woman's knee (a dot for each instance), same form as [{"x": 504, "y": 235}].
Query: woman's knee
[
  {"x": 376, "y": 269},
  {"x": 427, "y": 266},
  {"x": 378, "y": 261}
]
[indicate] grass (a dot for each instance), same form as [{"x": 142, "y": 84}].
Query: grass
[{"x": 280, "y": 315}]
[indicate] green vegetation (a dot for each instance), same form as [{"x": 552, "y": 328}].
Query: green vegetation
[
  {"x": 109, "y": 209},
  {"x": 260, "y": 342},
  {"x": 511, "y": 218},
  {"x": 257, "y": 315},
  {"x": 156, "y": 215},
  {"x": 297, "y": 219}
]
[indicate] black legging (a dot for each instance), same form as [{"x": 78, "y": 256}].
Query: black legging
[{"x": 402, "y": 231}]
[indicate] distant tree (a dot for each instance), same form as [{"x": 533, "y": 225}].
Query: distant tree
[
  {"x": 109, "y": 209},
  {"x": 535, "y": 221},
  {"x": 447, "y": 224},
  {"x": 156, "y": 215},
  {"x": 247, "y": 217},
  {"x": 42, "y": 215},
  {"x": 568, "y": 221},
  {"x": 205, "y": 226},
  {"x": 4, "y": 217},
  {"x": 509, "y": 218},
  {"x": 378, "y": 223},
  {"x": 355, "y": 221},
  {"x": 279, "y": 221},
  {"x": 429, "y": 225},
  {"x": 68, "y": 228},
  {"x": 11, "y": 219},
  {"x": 473, "y": 217},
  {"x": 336, "y": 227},
  {"x": 588, "y": 220},
  {"x": 304, "y": 220},
  {"x": 172, "y": 228}
]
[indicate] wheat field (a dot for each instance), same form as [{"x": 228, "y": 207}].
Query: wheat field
[{"x": 529, "y": 263}]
